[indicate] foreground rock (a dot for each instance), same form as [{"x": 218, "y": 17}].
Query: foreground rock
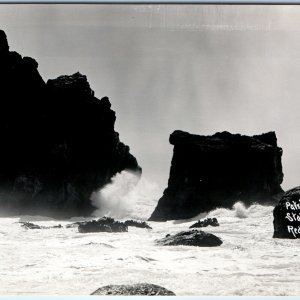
[
  {"x": 137, "y": 224},
  {"x": 141, "y": 289},
  {"x": 104, "y": 224},
  {"x": 29, "y": 225},
  {"x": 208, "y": 172},
  {"x": 206, "y": 222},
  {"x": 191, "y": 238},
  {"x": 58, "y": 142},
  {"x": 287, "y": 215}
]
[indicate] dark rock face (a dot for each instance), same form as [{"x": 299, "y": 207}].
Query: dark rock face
[
  {"x": 287, "y": 215},
  {"x": 104, "y": 224},
  {"x": 216, "y": 171},
  {"x": 191, "y": 238},
  {"x": 58, "y": 143},
  {"x": 206, "y": 222},
  {"x": 140, "y": 289},
  {"x": 137, "y": 224}
]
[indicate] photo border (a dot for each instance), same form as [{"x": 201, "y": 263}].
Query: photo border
[{"x": 206, "y": 2}]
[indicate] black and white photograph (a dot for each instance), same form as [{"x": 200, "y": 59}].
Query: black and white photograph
[{"x": 149, "y": 149}]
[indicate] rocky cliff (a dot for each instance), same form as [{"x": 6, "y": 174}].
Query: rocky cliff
[
  {"x": 57, "y": 140},
  {"x": 216, "y": 171}
]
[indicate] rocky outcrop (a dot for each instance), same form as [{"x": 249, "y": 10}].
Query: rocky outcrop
[
  {"x": 58, "y": 143},
  {"x": 104, "y": 224},
  {"x": 216, "y": 171},
  {"x": 140, "y": 289},
  {"x": 287, "y": 215},
  {"x": 108, "y": 221},
  {"x": 137, "y": 224},
  {"x": 206, "y": 222},
  {"x": 191, "y": 238}
]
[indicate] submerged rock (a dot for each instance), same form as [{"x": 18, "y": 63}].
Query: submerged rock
[
  {"x": 75, "y": 225},
  {"x": 206, "y": 222},
  {"x": 287, "y": 215},
  {"x": 208, "y": 172},
  {"x": 29, "y": 225},
  {"x": 58, "y": 143},
  {"x": 104, "y": 224},
  {"x": 140, "y": 289},
  {"x": 137, "y": 224},
  {"x": 191, "y": 238}
]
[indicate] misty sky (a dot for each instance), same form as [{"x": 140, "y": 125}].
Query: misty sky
[{"x": 198, "y": 68}]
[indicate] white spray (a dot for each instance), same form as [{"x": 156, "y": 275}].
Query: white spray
[{"x": 127, "y": 196}]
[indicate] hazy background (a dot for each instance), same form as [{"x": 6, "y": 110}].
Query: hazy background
[{"x": 198, "y": 68}]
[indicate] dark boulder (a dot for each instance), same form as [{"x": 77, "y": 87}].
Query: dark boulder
[
  {"x": 140, "y": 289},
  {"x": 137, "y": 224},
  {"x": 208, "y": 172},
  {"x": 58, "y": 142},
  {"x": 206, "y": 222},
  {"x": 104, "y": 224},
  {"x": 191, "y": 238},
  {"x": 287, "y": 215}
]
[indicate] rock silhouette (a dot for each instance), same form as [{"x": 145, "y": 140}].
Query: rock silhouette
[
  {"x": 216, "y": 171},
  {"x": 58, "y": 143},
  {"x": 287, "y": 215}
]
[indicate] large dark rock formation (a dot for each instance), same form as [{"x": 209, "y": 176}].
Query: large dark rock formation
[
  {"x": 139, "y": 289},
  {"x": 216, "y": 171},
  {"x": 191, "y": 238},
  {"x": 57, "y": 140},
  {"x": 287, "y": 215}
]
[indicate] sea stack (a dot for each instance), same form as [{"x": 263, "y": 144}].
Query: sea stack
[
  {"x": 58, "y": 143},
  {"x": 217, "y": 171}
]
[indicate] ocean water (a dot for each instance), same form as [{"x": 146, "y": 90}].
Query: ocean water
[{"x": 62, "y": 261}]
